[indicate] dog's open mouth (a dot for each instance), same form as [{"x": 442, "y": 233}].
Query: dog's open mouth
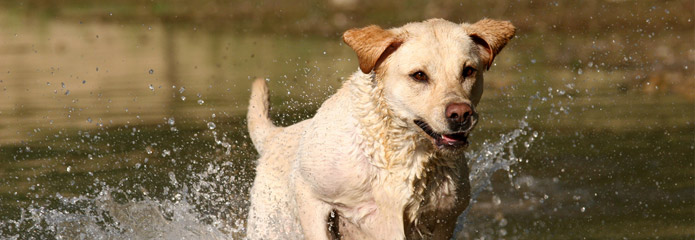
[{"x": 453, "y": 140}]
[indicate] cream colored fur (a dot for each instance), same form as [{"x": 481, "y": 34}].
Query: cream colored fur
[{"x": 362, "y": 156}]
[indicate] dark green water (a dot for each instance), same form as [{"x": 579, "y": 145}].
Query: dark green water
[
  {"x": 574, "y": 180},
  {"x": 139, "y": 133}
]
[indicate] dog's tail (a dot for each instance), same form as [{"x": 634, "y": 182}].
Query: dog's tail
[{"x": 259, "y": 124}]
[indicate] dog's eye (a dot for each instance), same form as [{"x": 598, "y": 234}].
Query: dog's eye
[
  {"x": 420, "y": 76},
  {"x": 467, "y": 72}
]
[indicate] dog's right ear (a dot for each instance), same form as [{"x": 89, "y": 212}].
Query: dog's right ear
[{"x": 372, "y": 45}]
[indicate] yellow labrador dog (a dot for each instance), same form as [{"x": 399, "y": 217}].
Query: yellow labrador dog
[{"x": 383, "y": 157}]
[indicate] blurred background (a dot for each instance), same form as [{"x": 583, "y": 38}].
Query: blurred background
[{"x": 125, "y": 119}]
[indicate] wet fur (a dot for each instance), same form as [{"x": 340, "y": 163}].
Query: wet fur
[{"x": 361, "y": 156}]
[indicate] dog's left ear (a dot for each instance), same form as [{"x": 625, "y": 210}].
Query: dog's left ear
[
  {"x": 372, "y": 45},
  {"x": 491, "y": 35}
]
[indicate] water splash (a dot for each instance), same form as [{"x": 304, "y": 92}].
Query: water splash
[
  {"x": 494, "y": 156},
  {"x": 197, "y": 210}
]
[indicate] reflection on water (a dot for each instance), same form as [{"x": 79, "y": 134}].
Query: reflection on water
[
  {"x": 136, "y": 131},
  {"x": 63, "y": 74}
]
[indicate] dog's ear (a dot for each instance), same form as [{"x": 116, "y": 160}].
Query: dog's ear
[
  {"x": 491, "y": 35},
  {"x": 372, "y": 45}
]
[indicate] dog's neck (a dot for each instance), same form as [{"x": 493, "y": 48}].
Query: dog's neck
[
  {"x": 388, "y": 140},
  {"x": 398, "y": 149}
]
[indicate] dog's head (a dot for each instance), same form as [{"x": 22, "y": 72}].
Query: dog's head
[{"x": 432, "y": 72}]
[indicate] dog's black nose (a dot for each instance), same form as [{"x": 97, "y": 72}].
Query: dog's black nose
[{"x": 458, "y": 113}]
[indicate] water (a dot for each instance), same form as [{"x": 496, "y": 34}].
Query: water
[
  {"x": 140, "y": 133},
  {"x": 209, "y": 203}
]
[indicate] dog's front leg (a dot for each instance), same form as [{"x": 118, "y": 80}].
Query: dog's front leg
[
  {"x": 386, "y": 223},
  {"x": 313, "y": 213}
]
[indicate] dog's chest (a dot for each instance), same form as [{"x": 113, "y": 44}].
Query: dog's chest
[
  {"x": 435, "y": 190},
  {"x": 438, "y": 193},
  {"x": 428, "y": 186}
]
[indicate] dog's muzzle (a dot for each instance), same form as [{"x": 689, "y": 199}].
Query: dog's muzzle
[{"x": 449, "y": 140}]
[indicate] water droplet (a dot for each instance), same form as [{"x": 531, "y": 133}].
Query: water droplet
[
  {"x": 200, "y": 101},
  {"x": 171, "y": 121},
  {"x": 89, "y": 120},
  {"x": 172, "y": 177},
  {"x": 211, "y": 125},
  {"x": 503, "y": 222},
  {"x": 69, "y": 169},
  {"x": 580, "y": 71},
  {"x": 181, "y": 90},
  {"x": 151, "y": 87},
  {"x": 183, "y": 98},
  {"x": 151, "y": 71},
  {"x": 67, "y": 92},
  {"x": 496, "y": 200},
  {"x": 583, "y": 209}
]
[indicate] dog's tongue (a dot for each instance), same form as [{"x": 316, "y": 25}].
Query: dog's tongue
[{"x": 449, "y": 140}]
